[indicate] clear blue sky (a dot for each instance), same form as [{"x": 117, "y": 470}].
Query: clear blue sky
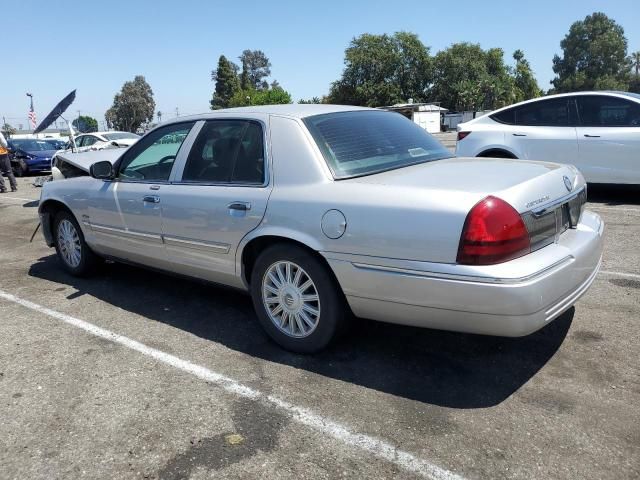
[{"x": 52, "y": 47}]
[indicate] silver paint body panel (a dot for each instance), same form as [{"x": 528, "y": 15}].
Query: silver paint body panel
[{"x": 396, "y": 259}]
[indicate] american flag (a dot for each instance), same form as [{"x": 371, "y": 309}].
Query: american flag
[{"x": 32, "y": 116}]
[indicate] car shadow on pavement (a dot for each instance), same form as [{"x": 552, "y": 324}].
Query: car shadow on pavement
[
  {"x": 440, "y": 368},
  {"x": 610, "y": 194}
]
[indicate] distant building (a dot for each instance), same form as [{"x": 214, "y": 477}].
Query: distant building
[
  {"x": 48, "y": 133},
  {"x": 427, "y": 115}
]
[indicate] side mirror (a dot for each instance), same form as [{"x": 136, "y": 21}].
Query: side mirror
[{"x": 101, "y": 170}]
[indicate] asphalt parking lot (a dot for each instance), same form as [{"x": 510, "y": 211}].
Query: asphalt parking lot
[{"x": 132, "y": 374}]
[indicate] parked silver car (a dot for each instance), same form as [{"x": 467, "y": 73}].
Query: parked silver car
[{"x": 319, "y": 211}]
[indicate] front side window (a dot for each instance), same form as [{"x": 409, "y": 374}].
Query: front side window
[
  {"x": 367, "y": 142},
  {"x": 551, "y": 113},
  {"x": 227, "y": 151},
  {"x": 605, "y": 111},
  {"x": 151, "y": 159}
]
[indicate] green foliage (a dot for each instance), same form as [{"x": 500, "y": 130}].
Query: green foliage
[
  {"x": 133, "y": 107},
  {"x": 249, "y": 87},
  {"x": 85, "y": 124},
  {"x": 383, "y": 70},
  {"x": 526, "y": 86},
  {"x": 227, "y": 83},
  {"x": 251, "y": 96},
  {"x": 468, "y": 78},
  {"x": 8, "y": 130},
  {"x": 594, "y": 56},
  {"x": 635, "y": 62},
  {"x": 311, "y": 101}
]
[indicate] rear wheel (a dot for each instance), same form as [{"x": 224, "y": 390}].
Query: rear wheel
[
  {"x": 73, "y": 252},
  {"x": 21, "y": 169},
  {"x": 297, "y": 299},
  {"x": 496, "y": 153}
]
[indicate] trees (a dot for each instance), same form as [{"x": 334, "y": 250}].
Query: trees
[
  {"x": 311, "y": 101},
  {"x": 251, "y": 96},
  {"x": 85, "y": 124},
  {"x": 133, "y": 107},
  {"x": 467, "y": 77},
  {"x": 594, "y": 56},
  {"x": 383, "y": 70},
  {"x": 8, "y": 130},
  {"x": 249, "y": 87},
  {"x": 255, "y": 68},
  {"x": 525, "y": 82},
  {"x": 635, "y": 62},
  {"x": 227, "y": 83}
]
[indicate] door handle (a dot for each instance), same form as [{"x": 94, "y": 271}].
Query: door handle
[
  {"x": 242, "y": 206},
  {"x": 151, "y": 199},
  {"x": 591, "y": 136},
  {"x": 519, "y": 134}
]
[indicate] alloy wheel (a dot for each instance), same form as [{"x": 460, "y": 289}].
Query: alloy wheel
[{"x": 291, "y": 299}]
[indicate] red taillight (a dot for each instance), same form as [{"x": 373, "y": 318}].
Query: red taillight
[
  {"x": 493, "y": 233},
  {"x": 462, "y": 135}
]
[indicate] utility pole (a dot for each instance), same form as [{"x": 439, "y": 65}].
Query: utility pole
[
  {"x": 159, "y": 116},
  {"x": 78, "y": 122},
  {"x": 177, "y": 112}
]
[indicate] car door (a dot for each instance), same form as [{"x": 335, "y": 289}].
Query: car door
[
  {"x": 220, "y": 194},
  {"x": 125, "y": 213},
  {"x": 609, "y": 139},
  {"x": 544, "y": 130}
]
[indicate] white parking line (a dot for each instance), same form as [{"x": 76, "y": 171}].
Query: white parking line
[
  {"x": 326, "y": 426},
  {"x": 18, "y": 199},
  {"x": 620, "y": 274},
  {"x": 604, "y": 208}
]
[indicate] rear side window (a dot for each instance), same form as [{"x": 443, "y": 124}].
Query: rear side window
[
  {"x": 604, "y": 111},
  {"x": 552, "y": 113},
  {"x": 227, "y": 151},
  {"x": 507, "y": 116},
  {"x": 366, "y": 142}
]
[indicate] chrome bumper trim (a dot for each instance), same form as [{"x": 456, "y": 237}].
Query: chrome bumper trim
[{"x": 462, "y": 278}]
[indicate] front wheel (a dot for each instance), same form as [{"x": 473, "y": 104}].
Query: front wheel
[
  {"x": 297, "y": 299},
  {"x": 73, "y": 252}
]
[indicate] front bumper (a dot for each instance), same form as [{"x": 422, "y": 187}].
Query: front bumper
[{"x": 510, "y": 299}]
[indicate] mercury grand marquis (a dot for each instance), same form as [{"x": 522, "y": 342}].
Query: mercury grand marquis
[{"x": 323, "y": 212}]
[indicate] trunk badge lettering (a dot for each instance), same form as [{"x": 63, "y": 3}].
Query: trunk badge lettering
[{"x": 537, "y": 201}]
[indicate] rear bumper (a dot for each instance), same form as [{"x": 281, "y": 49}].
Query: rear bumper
[{"x": 511, "y": 299}]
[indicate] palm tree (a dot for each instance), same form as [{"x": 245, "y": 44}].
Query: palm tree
[{"x": 635, "y": 61}]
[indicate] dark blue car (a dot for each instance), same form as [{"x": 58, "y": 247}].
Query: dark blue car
[{"x": 30, "y": 155}]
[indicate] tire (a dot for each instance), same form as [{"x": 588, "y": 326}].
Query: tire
[
  {"x": 67, "y": 234},
  {"x": 317, "y": 331},
  {"x": 21, "y": 169}
]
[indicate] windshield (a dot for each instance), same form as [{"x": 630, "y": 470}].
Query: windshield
[
  {"x": 119, "y": 135},
  {"x": 32, "y": 145},
  {"x": 366, "y": 142}
]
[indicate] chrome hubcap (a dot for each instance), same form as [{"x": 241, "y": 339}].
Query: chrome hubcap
[
  {"x": 291, "y": 299},
  {"x": 69, "y": 243}
]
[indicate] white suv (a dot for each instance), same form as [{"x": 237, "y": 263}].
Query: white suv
[{"x": 598, "y": 132}]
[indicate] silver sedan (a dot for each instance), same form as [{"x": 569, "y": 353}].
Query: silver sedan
[{"x": 322, "y": 212}]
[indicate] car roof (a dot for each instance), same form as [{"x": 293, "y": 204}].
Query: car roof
[
  {"x": 610, "y": 93},
  {"x": 294, "y": 110}
]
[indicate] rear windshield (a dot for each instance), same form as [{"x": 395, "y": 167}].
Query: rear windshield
[
  {"x": 366, "y": 142},
  {"x": 119, "y": 135}
]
